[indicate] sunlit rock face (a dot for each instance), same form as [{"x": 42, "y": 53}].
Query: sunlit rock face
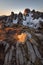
[{"x": 22, "y": 37}]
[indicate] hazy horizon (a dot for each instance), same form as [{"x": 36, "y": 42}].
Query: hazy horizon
[{"x": 6, "y": 6}]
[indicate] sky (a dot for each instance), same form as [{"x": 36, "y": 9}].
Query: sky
[{"x": 6, "y": 6}]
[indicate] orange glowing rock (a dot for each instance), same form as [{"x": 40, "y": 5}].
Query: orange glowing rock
[{"x": 22, "y": 37}]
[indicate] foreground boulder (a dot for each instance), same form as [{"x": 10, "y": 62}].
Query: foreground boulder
[{"x": 20, "y": 45}]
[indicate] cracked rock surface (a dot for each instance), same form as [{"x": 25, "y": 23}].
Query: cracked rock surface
[{"x": 13, "y": 52}]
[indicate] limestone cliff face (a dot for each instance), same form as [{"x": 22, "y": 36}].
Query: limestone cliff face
[{"x": 27, "y": 52}]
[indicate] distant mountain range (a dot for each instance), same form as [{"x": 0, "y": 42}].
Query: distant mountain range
[{"x": 36, "y": 14}]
